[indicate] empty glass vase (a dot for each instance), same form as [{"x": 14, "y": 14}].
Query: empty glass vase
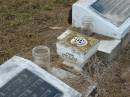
[{"x": 41, "y": 56}]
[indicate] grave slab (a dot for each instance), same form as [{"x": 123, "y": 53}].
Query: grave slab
[
  {"x": 76, "y": 48},
  {"x": 109, "y": 49},
  {"x": 109, "y": 17},
  {"x": 20, "y": 77}
]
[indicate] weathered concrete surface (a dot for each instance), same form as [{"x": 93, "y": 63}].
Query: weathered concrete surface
[
  {"x": 71, "y": 55},
  {"x": 108, "y": 50}
]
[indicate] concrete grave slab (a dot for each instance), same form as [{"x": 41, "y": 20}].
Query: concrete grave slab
[
  {"x": 109, "y": 49},
  {"x": 15, "y": 65},
  {"x": 109, "y": 17},
  {"x": 76, "y": 54}
]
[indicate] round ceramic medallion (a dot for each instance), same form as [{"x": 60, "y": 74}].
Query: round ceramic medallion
[{"x": 79, "y": 41}]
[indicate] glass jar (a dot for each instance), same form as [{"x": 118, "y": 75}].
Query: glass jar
[
  {"x": 41, "y": 56},
  {"x": 86, "y": 25}
]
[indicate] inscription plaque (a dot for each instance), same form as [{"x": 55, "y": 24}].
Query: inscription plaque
[
  {"x": 117, "y": 11},
  {"x": 28, "y": 84}
]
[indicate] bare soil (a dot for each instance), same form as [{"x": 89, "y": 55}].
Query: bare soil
[{"x": 25, "y": 24}]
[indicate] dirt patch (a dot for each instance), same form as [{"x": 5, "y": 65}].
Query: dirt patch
[
  {"x": 115, "y": 81},
  {"x": 25, "y": 24}
]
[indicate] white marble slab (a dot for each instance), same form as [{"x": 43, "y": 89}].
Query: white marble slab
[
  {"x": 101, "y": 25},
  {"x": 16, "y": 64}
]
